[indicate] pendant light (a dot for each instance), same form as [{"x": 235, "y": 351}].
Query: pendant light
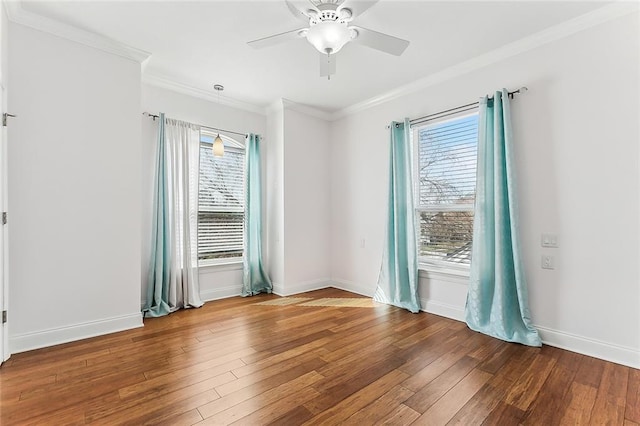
[{"x": 218, "y": 145}]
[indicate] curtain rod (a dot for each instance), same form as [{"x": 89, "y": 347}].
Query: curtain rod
[
  {"x": 154, "y": 116},
  {"x": 462, "y": 108}
]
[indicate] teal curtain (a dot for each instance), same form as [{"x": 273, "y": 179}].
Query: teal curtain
[
  {"x": 497, "y": 301},
  {"x": 157, "y": 303},
  {"x": 255, "y": 280},
  {"x": 398, "y": 279}
]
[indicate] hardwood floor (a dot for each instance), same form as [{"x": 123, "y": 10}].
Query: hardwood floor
[{"x": 240, "y": 361}]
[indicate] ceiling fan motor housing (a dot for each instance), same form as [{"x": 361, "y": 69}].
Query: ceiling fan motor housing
[
  {"x": 328, "y": 31},
  {"x": 329, "y": 12}
]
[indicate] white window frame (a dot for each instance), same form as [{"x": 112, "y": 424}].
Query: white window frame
[
  {"x": 230, "y": 144},
  {"x": 427, "y": 263}
]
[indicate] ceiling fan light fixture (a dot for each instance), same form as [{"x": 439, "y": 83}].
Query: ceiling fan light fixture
[{"x": 329, "y": 36}]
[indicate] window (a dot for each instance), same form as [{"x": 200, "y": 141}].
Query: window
[
  {"x": 220, "y": 200},
  {"x": 445, "y": 185}
]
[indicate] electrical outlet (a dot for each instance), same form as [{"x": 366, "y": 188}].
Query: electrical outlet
[
  {"x": 547, "y": 262},
  {"x": 549, "y": 240}
]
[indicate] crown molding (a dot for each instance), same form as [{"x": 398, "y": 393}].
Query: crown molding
[
  {"x": 306, "y": 109},
  {"x": 554, "y": 33},
  {"x": 17, "y": 14},
  {"x": 169, "y": 84},
  {"x": 275, "y": 106}
]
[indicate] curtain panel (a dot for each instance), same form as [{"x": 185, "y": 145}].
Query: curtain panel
[
  {"x": 173, "y": 276},
  {"x": 497, "y": 299},
  {"x": 398, "y": 279},
  {"x": 255, "y": 280}
]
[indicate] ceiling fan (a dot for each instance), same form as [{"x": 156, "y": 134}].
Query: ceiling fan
[{"x": 329, "y": 29}]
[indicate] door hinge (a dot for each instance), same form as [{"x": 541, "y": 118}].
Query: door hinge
[
  {"x": 4, "y": 316},
  {"x": 4, "y": 118},
  {"x": 4, "y": 218}
]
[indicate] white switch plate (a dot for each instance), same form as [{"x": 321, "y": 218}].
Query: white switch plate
[
  {"x": 548, "y": 262},
  {"x": 549, "y": 240}
]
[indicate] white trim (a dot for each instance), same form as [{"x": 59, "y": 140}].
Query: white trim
[
  {"x": 429, "y": 306},
  {"x": 56, "y": 336},
  {"x": 448, "y": 275},
  {"x": 557, "y": 32},
  {"x": 17, "y": 14},
  {"x": 221, "y": 293},
  {"x": 208, "y": 95},
  {"x": 291, "y": 289},
  {"x": 591, "y": 347},
  {"x": 352, "y": 287},
  {"x": 277, "y": 288},
  {"x": 306, "y": 110},
  {"x": 559, "y": 339},
  {"x": 212, "y": 268},
  {"x": 442, "y": 309},
  {"x": 275, "y": 106}
]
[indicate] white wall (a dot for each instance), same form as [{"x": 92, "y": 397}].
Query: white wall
[
  {"x": 74, "y": 248},
  {"x": 577, "y": 154},
  {"x": 4, "y": 44},
  {"x": 306, "y": 201},
  {"x": 274, "y": 194},
  {"x": 215, "y": 281},
  {"x": 298, "y": 198}
]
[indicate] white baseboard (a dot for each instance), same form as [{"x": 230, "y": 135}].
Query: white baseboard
[
  {"x": 278, "y": 288},
  {"x": 213, "y": 294},
  {"x": 443, "y": 309},
  {"x": 220, "y": 293},
  {"x": 571, "y": 342},
  {"x": 591, "y": 347},
  {"x": 559, "y": 339},
  {"x": 56, "y": 336},
  {"x": 353, "y": 287},
  {"x": 291, "y": 289},
  {"x": 430, "y": 306}
]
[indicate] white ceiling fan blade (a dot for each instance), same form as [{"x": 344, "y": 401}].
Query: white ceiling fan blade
[
  {"x": 380, "y": 41},
  {"x": 357, "y": 7},
  {"x": 327, "y": 65},
  {"x": 277, "y": 39},
  {"x": 300, "y": 12}
]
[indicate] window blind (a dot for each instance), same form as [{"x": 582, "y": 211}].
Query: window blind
[
  {"x": 446, "y": 188},
  {"x": 221, "y": 203}
]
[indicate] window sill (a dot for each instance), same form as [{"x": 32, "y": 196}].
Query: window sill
[
  {"x": 220, "y": 265},
  {"x": 446, "y": 270}
]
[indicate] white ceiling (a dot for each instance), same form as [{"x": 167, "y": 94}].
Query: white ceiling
[{"x": 202, "y": 43}]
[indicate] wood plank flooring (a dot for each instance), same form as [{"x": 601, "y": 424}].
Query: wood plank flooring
[{"x": 237, "y": 361}]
